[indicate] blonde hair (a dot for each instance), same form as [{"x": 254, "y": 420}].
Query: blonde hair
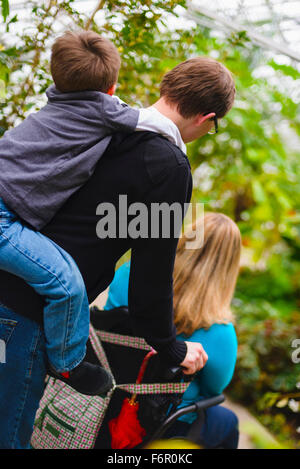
[{"x": 205, "y": 278}]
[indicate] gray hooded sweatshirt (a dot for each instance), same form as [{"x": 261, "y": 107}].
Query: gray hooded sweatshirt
[{"x": 53, "y": 152}]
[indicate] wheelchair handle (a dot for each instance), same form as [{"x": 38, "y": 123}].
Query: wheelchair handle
[{"x": 197, "y": 407}]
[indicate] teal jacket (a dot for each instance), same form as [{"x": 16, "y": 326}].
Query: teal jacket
[{"x": 219, "y": 342}]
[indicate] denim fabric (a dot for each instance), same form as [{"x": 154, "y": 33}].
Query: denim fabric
[
  {"x": 22, "y": 378},
  {"x": 218, "y": 431},
  {"x": 53, "y": 274}
]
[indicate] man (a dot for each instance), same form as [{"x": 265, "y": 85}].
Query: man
[{"x": 146, "y": 168}]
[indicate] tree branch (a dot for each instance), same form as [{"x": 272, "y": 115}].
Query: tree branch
[{"x": 91, "y": 19}]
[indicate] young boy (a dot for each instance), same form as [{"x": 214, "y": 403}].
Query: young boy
[{"x": 43, "y": 161}]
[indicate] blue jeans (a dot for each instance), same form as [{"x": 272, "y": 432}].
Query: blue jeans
[
  {"x": 218, "y": 430},
  {"x": 53, "y": 274},
  {"x": 22, "y": 377}
]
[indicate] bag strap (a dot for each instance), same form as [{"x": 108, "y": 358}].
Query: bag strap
[
  {"x": 98, "y": 349},
  {"x": 128, "y": 341},
  {"x": 154, "y": 388},
  {"x": 135, "y": 342}
]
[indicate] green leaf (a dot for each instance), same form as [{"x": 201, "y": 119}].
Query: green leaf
[
  {"x": 282, "y": 403},
  {"x": 286, "y": 69},
  {"x": 2, "y": 89},
  {"x": 258, "y": 192},
  {"x": 5, "y": 9}
]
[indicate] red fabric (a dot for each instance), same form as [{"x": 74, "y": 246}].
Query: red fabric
[
  {"x": 126, "y": 430},
  {"x": 144, "y": 365},
  {"x": 66, "y": 374}
]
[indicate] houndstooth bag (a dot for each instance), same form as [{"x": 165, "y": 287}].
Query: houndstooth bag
[{"x": 67, "y": 419}]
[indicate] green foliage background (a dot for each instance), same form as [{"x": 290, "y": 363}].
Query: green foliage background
[{"x": 249, "y": 171}]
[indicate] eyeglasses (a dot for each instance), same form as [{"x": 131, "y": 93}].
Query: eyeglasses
[{"x": 215, "y": 131}]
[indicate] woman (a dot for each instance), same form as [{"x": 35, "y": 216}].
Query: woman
[{"x": 204, "y": 283}]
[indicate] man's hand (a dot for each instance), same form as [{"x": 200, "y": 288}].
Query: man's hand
[{"x": 195, "y": 358}]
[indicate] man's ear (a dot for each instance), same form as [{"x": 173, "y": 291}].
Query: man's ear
[
  {"x": 112, "y": 90},
  {"x": 200, "y": 118}
]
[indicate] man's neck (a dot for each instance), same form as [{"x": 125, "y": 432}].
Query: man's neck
[{"x": 173, "y": 115}]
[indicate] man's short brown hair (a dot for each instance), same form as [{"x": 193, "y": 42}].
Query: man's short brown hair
[
  {"x": 199, "y": 86},
  {"x": 84, "y": 61}
]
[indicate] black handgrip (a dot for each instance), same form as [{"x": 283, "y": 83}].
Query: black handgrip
[
  {"x": 173, "y": 373},
  {"x": 176, "y": 373}
]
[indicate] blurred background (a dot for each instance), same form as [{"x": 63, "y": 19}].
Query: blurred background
[{"x": 250, "y": 170}]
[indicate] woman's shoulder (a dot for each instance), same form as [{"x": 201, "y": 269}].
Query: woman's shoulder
[
  {"x": 212, "y": 331},
  {"x": 218, "y": 335}
]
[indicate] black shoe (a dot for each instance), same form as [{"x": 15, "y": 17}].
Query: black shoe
[{"x": 86, "y": 378}]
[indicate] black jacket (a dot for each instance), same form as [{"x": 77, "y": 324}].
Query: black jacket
[{"x": 147, "y": 168}]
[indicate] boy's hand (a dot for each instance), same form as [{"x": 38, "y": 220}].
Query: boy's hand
[{"x": 195, "y": 358}]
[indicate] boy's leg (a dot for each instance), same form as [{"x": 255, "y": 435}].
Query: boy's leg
[
  {"x": 54, "y": 275},
  {"x": 22, "y": 378}
]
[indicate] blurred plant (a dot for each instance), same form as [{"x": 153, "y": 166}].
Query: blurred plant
[
  {"x": 260, "y": 438},
  {"x": 266, "y": 379},
  {"x": 251, "y": 171},
  {"x": 290, "y": 405}
]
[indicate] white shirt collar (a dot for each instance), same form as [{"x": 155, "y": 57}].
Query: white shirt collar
[{"x": 152, "y": 119}]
